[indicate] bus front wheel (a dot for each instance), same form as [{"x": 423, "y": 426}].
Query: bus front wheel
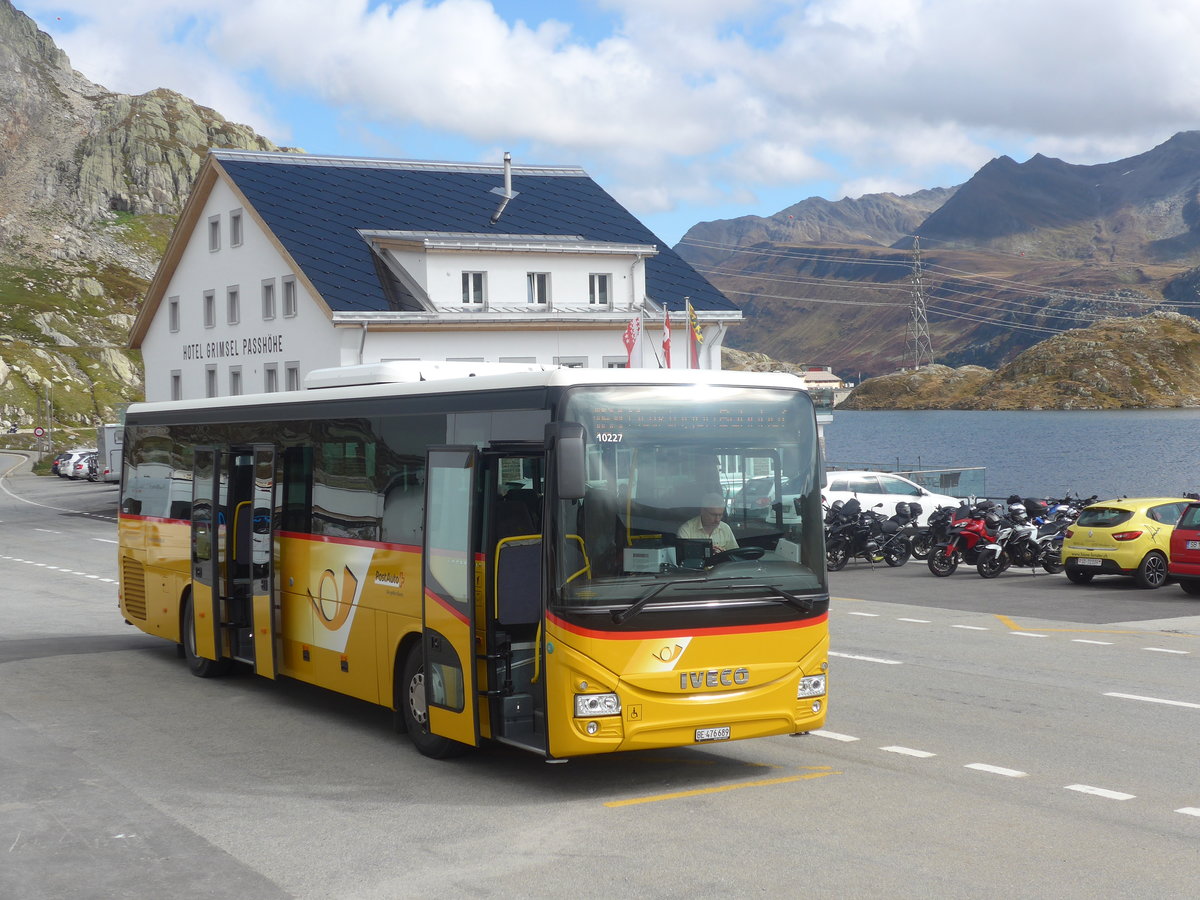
[
  {"x": 411, "y": 697},
  {"x": 198, "y": 665}
]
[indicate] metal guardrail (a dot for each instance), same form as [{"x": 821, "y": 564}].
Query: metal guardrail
[{"x": 956, "y": 481}]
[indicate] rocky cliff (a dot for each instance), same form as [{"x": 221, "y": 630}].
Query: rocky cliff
[
  {"x": 90, "y": 184},
  {"x": 1151, "y": 361}
]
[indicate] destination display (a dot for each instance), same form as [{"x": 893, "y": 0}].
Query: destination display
[{"x": 610, "y": 424}]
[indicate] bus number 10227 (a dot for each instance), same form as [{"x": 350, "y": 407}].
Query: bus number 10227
[{"x": 609, "y": 437}]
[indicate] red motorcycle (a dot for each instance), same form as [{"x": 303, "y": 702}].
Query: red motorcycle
[{"x": 962, "y": 534}]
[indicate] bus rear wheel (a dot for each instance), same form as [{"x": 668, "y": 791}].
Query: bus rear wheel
[
  {"x": 410, "y": 695},
  {"x": 198, "y": 665}
]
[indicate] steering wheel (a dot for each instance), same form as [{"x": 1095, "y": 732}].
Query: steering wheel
[{"x": 737, "y": 553}]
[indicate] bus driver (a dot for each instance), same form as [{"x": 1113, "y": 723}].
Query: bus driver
[{"x": 708, "y": 526}]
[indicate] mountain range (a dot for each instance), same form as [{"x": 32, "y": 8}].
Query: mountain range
[{"x": 1015, "y": 254}]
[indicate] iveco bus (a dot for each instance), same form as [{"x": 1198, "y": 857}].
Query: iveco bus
[{"x": 492, "y": 556}]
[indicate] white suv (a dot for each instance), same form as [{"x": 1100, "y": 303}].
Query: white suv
[{"x": 872, "y": 488}]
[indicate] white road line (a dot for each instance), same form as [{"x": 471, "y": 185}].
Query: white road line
[
  {"x": 886, "y": 662},
  {"x": 1099, "y": 792},
  {"x": 1086, "y": 641},
  {"x": 1189, "y": 811},
  {"x": 996, "y": 770},
  {"x": 918, "y": 621},
  {"x": 1154, "y": 700},
  {"x": 1028, "y": 634},
  {"x": 833, "y": 735},
  {"x": 909, "y": 751},
  {"x": 105, "y": 540},
  {"x": 970, "y": 627},
  {"x": 870, "y": 615},
  {"x": 1165, "y": 650},
  {"x": 47, "y": 531}
]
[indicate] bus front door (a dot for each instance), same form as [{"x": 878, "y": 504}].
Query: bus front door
[
  {"x": 448, "y": 590},
  {"x": 247, "y": 589}
]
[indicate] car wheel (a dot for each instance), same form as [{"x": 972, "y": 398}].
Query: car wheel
[
  {"x": 1152, "y": 572},
  {"x": 411, "y": 691},
  {"x": 1075, "y": 576}
]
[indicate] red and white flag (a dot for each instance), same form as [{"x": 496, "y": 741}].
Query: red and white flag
[
  {"x": 632, "y": 337},
  {"x": 667, "y": 336}
]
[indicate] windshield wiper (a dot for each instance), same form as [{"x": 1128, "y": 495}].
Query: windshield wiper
[
  {"x": 804, "y": 604},
  {"x": 620, "y": 615}
]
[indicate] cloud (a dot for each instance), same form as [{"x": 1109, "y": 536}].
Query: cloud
[{"x": 681, "y": 100}]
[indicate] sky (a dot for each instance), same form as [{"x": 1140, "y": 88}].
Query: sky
[{"x": 684, "y": 110}]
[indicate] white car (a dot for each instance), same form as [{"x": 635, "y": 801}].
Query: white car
[{"x": 872, "y": 488}]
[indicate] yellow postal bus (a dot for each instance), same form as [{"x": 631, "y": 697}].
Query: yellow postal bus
[{"x": 493, "y": 557}]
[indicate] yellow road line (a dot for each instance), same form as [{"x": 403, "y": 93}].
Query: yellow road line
[
  {"x": 699, "y": 792},
  {"x": 1009, "y": 623}
]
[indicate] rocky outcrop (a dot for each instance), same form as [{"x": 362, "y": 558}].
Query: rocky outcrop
[{"x": 1152, "y": 361}]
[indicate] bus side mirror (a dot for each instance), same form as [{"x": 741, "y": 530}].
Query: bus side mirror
[{"x": 565, "y": 442}]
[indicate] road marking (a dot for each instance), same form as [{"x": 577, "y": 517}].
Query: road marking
[
  {"x": 996, "y": 770},
  {"x": 1027, "y": 634},
  {"x": 700, "y": 792},
  {"x": 1189, "y": 811},
  {"x": 909, "y": 751},
  {"x": 971, "y": 627},
  {"x": 1165, "y": 650},
  {"x": 1099, "y": 792},
  {"x": 1154, "y": 700},
  {"x": 1086, "y": 641},
  {"x": 833, "y": 735},
  {"x": 918, "y": 621},
  {"x": 106, "y": 540},
  {"x": 856, "y": 613},
  {"x": 47, "y": 531},
  {"x": 886, "y": 662}
]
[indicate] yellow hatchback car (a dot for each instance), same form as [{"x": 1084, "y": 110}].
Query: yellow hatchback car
[{"x": 1123, "y": 537}]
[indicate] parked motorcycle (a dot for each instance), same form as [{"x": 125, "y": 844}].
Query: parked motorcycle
[
  {"x": 852, "y": 532},
  {"x": 970, "y": 528}
]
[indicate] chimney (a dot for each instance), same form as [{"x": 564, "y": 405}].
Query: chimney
[{"x": 506, "y": 193}]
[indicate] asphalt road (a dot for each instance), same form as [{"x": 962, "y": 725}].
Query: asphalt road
[{"x": 1021, "y": 737}]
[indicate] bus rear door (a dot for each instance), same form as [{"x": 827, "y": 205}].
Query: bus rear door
[{"x": 448, "y": 592}]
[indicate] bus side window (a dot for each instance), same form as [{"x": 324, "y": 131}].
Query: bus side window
[
  {"x": 297, "y": 490},
  {"x": 404, "y": 505}
]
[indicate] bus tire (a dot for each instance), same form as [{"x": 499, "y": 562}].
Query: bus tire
[
  {"x": 198, "y": 665},
  {"x": 411, "y": 697}
]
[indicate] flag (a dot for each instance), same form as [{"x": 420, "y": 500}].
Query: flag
[
  {"x": 633, "y": 334},
  {"x": 695, "y": 336},
  {"x": 667, "y": 336}
]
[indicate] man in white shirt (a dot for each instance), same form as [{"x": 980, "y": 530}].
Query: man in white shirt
[{"x": 709, "y": 525}]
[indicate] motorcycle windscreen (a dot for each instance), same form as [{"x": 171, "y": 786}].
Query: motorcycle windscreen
[{"x": 449, "y": 593}]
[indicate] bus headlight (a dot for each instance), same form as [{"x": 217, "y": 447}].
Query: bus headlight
[
  {"x": 811, "y": 686},
  {"x": 590, "y": 705}
]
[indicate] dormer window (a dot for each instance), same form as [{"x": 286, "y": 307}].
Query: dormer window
[
  {"x": 474, "y": 288},
  {"x": 539, "y": 288}
]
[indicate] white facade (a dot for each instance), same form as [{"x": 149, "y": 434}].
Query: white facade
[{"x": 230, "y": 312}]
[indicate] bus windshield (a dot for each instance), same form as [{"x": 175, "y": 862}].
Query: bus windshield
[{"x": 695, "y": 494}]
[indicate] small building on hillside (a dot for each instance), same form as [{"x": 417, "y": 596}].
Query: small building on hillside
[{"x": 283, "y": 263}]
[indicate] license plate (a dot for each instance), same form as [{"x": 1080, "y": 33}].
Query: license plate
[
  {"x": 712, "y": 734},
  {"x": 1193, "y": 545},
  {"x": 1088, "y": 562}
]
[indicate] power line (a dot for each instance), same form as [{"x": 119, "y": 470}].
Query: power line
[{"x": 918, "y": 327}]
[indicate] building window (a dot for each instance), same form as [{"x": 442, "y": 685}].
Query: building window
[
  {"x": 518, "y": 359},
  {"x": 289, "y": 296},
  {"x": 173, "y": 314},
  {"x": 292, "y": 376},
  {"x": 210, "y": 381},
  {"x": 235, "y": 381},
  {"x": 615, "y": 362},
  {"x": 214, "y": 233},
  {"x": 210, "y": 309},
  {"x": 474, "y": 285},
  {"x": 268, "y": 298},
  {"x": 176, "y": 385},
  {"x": 271, "y": 378},
  {"x": 571, "y": 362},
  {"x": 235, "y": 228},
  {"x": 539, "y": 287},
  {"x": 233, "y": 304},
  {"x": 598, "y": 289}
]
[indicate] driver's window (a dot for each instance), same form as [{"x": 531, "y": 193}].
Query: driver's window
[{"x": 896, "y": 486}]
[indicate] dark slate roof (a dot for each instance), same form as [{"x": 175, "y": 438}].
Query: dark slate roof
[{"x": 317, "y": 205}]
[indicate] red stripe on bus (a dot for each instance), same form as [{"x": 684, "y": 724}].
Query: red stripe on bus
[
  {"x": 685, "y": 632},
  {"x": 349, "y": 542},
  {"x": 163, "y": 519},
  {"x": 448, "y": 607}
]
